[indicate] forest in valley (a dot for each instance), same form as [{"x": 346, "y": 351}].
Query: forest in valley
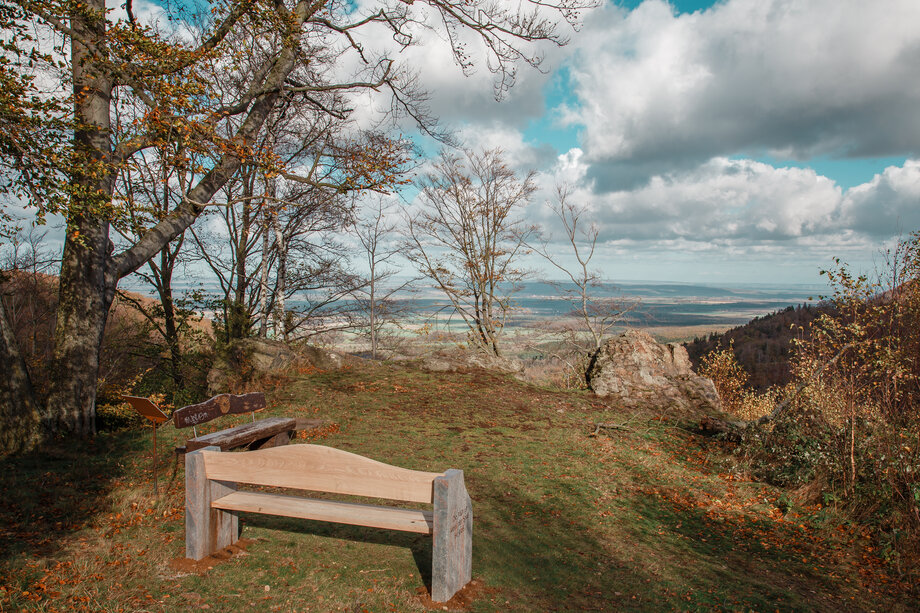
[{"x": 763, "y": 346}]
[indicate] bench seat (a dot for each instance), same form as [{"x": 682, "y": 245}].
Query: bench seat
[
  {"x": 246, "y": 434},
  {"x": 373, "y": 516}
]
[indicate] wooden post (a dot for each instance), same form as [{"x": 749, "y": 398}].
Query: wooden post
[
  {"x": 146, "y": 408},
  {"x": 156, "y": 494},
  {"x": 452, "y": 555},
  {"x": 226, "y": 524},
  {"x": 206, "y": 530}
]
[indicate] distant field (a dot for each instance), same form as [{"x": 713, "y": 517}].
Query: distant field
[{"x": 671, "y": 312}]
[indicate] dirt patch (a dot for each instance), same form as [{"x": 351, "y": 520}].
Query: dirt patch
[
  {"x": 201, "y": 567},
  {"x": 471, "y": 592}
]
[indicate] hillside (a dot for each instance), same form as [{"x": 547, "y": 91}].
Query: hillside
[
  {"x": 650, "y": 518},
  {"x": 131, "y": 344},
  {"x": 762, "y": 346}
]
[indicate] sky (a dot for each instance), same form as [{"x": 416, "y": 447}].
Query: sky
[
  {"x": 736, "y": 141},
  {"x": 739, "y": 141}
]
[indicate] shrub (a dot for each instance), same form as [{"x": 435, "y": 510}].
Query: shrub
[
  {"x": 731, "y": 381},
  {"x": 853, "y": 417}
]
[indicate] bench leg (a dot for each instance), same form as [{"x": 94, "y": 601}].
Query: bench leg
[
  {"x": 279, "y": 440},
  {"x": 207, "y": 530},
  {"x": 452, "y": 556}
]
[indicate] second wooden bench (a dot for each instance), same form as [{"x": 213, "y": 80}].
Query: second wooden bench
[{"x": 258, "y": 434}]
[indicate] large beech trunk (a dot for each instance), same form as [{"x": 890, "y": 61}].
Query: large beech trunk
[
  {"x": 87, "y": 288},
  {"x": 87, "y": 282}
]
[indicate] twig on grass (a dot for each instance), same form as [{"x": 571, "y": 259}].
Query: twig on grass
[{"x": 598, "y": 426}]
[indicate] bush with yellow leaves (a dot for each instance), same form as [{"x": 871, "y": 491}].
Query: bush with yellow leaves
[{"x": 731, "y": 381}]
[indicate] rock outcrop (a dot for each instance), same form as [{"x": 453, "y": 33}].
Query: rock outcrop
[
  {"x": 637, "y": 371},
  {"x": 460, "y": 361},
  {"x": 244, "y": 361}
]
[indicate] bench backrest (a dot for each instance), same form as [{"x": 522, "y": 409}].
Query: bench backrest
[
  {"x": 321, "y": 469},
  {"x": 223, "y": 404}
]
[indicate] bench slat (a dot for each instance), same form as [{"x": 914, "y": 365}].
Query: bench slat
[
  {"x": 407, "y": 520},
  {"x": 321, "y": 469},
  {"x": 243, "y": 434}
]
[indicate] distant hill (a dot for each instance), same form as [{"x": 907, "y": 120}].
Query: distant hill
[{"x": 762, "y": 346}]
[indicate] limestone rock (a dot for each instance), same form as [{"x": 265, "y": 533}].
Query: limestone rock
[
  {"x": 637, "y": 371},
  {"x": 494, "y": 363},
  {"x": 245, "y": 360},
  {"x": 324, "y": 359},
  {"x": 444, "y": 361}
]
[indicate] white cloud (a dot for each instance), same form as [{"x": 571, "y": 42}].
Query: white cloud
[
  {"x": 720, "y": 199},
  {"x": 730, "y": 213},
  {"x": 888, "y": 204},
  {"x": 517, "y": 151},
  {"x": 831, "y": 77}
]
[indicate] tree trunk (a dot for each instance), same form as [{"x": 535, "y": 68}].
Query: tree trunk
[
  {"x": 280, "y": 282},
  {"x": 20, "y": 421},
  {"x": 169, "y": 319},
  {"x": 87, "y": 282},
  {"x": 263, "y": 277},
  {"x": 86, "y": 292},
  {"x": 240, "y": 324},
  {"x": 372, "y": 312}
]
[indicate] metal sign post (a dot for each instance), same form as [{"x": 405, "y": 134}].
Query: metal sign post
[{"x": 147, "y": 409}]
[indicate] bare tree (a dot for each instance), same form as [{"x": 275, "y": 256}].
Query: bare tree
[
  {"x": 26, "y": 331},
  {"x": 375, "y": 297},
  {"x": 591, "y": 318},
  {"x": 26, "y": 263},
  {"x": 594, "y": 316},
  {"x": 276, "y": 259},
  {"x": 152, "y": 184},
  {"x": 467, "y": 237}
]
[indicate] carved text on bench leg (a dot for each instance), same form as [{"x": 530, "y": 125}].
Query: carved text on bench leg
[
  {"x": 452, "y": 555},
  {"x": 207, "y": 530}
]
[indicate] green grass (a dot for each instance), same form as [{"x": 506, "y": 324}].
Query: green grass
[{"x": 651, "y": 518}]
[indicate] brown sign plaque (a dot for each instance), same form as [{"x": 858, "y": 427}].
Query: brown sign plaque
[{"x": 146, "y": 408}]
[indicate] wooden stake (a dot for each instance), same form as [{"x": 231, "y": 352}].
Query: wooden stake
[
  {"x": 156, "y": 494},
  {"x": 146, "y": 408}
]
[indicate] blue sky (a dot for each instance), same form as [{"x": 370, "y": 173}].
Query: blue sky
[{"x": 738, "y": 141}]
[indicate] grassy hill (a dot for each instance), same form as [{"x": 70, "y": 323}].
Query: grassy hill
[{"x": 649, "y": 518}]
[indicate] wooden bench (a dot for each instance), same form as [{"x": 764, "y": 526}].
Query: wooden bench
[
  {"x": 213, "y": 501},
  {"x": 259, "y": 434}
]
